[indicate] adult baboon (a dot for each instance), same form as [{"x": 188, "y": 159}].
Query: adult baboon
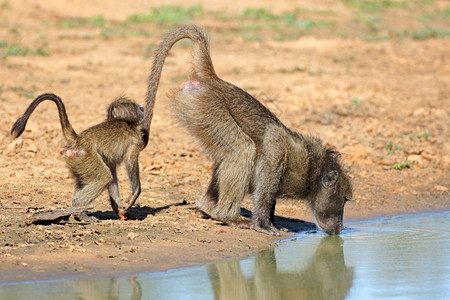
[{"x": 252, "y": 151}]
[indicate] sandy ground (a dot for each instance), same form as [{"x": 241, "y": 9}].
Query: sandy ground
[{"x": 372, "y": 82}]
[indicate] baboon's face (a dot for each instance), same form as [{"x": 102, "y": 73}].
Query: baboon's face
[{"x": 328, "y": 203}]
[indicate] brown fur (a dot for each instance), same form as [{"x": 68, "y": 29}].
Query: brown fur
[
  {"x": 253, "y": 152},
  {"x": 93, "y": 155}
]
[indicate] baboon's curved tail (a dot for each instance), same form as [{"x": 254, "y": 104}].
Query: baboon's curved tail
[
  {"x": 19, "y": 126},
  {"x": 202, "y": 66}
]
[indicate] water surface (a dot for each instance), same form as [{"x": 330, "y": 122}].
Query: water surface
[{"x": 403, "y": 257}]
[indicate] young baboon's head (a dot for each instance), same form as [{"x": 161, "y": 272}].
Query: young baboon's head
[
  {"x": 126, "y": 110},
  {"x": 334, "y": 190}
]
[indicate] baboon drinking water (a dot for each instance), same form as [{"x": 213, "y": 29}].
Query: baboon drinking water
[
  {"x": 93, "y": 155},
  {"x": 252, "y": 151}
]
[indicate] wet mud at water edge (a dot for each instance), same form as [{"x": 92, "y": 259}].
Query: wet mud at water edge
[
  {"x": 405, "y": 256},
  {"x": 372, "y": 81}
]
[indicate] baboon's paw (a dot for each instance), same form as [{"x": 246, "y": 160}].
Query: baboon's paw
[
  {"x": 241, "y": 222},
  {"x": 270, "y": 229}
]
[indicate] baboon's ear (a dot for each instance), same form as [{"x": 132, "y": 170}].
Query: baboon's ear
[
  {"x": 330, "y": 178},
  {"x": 111, "y": 112}
]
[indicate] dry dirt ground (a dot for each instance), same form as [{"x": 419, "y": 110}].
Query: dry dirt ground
[{"x": 373, "y": 80}]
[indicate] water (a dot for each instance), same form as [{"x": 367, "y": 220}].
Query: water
[{"x": 403, "y": 257}]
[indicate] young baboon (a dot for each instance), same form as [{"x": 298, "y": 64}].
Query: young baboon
[
  {"x": 93, "y": 155},
  {"x": 252, "y": 151}
]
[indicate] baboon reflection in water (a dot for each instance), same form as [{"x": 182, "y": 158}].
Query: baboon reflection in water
[{"x": 326, "y": 276}]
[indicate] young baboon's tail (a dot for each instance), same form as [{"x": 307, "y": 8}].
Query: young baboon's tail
[
  {"x": 69, "y": 134},
  {"x": 202, "y": 65}
]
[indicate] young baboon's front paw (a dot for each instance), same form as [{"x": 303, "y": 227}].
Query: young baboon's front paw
[{"x": 267, "y": 229}]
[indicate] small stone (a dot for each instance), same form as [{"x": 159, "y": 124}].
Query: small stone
[
  {"x": 419, "y": 112},
  {"x": 29, "y": 154},
  {"x": 440, "y": 188},
  {"x": 14, "y": 146},
  {"x": 31, "y": 147},
  {"x": 414, "y": 158},
  {"x": 131, "y": 235},
  {"x": 428, "y": 155}
]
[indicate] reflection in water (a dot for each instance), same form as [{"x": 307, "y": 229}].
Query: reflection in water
[
  {"x": 404, "y": 257},
  {"x": 326, "y": 276},
  {"x": 107, "y": 288}
]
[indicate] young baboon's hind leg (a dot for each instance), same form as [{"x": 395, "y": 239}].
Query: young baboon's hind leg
[
  {"x": 132, "y": 166},
  {"x": 114, "y": 195},
  {"x": 90, "y": 184}
]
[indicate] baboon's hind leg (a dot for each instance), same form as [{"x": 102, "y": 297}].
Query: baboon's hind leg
[
  {"x": 208, "y": 202},
  {"x": 91, "y": 184},
  {"x": 234, "y": 175}
]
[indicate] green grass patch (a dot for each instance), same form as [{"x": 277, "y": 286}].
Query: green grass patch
[
  {"x": 28, "y": 94},
  {"x": 426, "y": 136},
  {"x": 97, "y": 21},
  {"x": 22, "y": 90},
  {"x": 16, "y": 50},
  {"x": 306, "y": 25},
  {"x": 5, "y": 5},
  {"x": 41, "y": 51},
  {"x": 285, "y": 36},
  {"x": 374, "y": 6},
  {"x": 258, "y": 13},
  {"x": 371, "y": 22},
  {"x": 110, "y": 32},
  {"x": 290, "y": 25},
  {"x": 425, "y": 33},
  {"x": 444, "y": 13},
  {"x": 391, "y": 148},
  {"x": 402, "y": 165},
  {"x": 357, "y": 102},
  {"x": 167, "y": 14},
  {"x": 251, "y": 36}
]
